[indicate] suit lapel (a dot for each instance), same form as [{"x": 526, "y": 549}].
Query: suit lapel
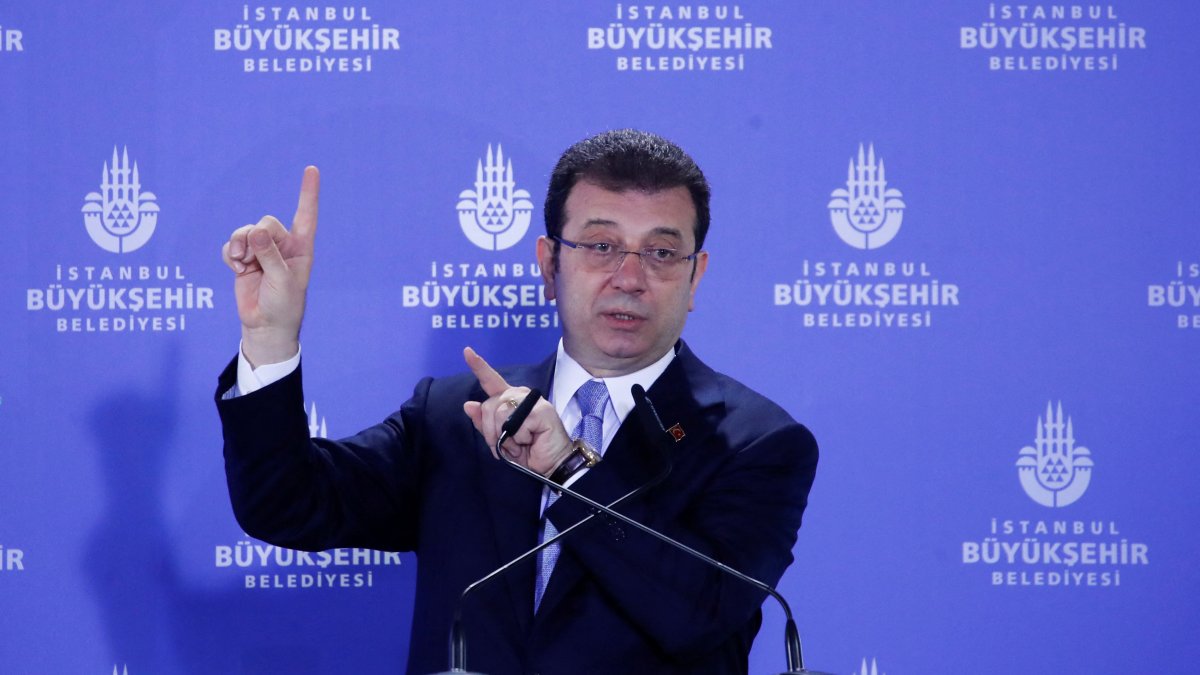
[
  {"x": 689, "y": 399},
  {"x": 513, "y": 502}
]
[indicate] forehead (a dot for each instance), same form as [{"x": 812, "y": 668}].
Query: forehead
[{"x": 630, "y": 214}]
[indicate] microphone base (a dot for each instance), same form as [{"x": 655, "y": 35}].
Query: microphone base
[
  {"x": 457, "y": 672},
  {"x": 805, "y": 671}
]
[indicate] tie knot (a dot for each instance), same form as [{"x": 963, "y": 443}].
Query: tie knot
[{"x": 591, "y": 397}]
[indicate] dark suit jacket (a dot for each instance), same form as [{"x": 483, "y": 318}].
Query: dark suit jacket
[{"x": 618, "y": 601}]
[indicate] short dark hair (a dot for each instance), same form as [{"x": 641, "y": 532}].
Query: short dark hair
[{"x": 626, "y": 159}]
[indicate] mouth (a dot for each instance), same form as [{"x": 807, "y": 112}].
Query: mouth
[{"x": 623, "y": 318}]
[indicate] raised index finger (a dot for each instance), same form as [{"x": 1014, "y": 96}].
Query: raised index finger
[
  {"x": 304, "y": 223},
  {"x": 488, "y": 378}
]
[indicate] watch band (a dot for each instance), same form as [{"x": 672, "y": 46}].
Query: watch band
[{"x": 582, "y": 456}]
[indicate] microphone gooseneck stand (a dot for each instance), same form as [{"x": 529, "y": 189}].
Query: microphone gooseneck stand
[
  {"x": 458, "y": 639},
  {"x": 649, "y": 419}
]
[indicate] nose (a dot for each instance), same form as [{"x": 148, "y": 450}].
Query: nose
[{"x": 629, "y": 275}]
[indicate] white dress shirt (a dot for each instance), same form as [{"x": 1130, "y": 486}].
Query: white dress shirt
[{"x": 569, "y": 376}]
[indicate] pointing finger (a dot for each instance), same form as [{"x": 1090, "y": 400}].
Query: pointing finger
[
  {"x": 491, "y": 381},
  {"x": 304, "y": 223}
]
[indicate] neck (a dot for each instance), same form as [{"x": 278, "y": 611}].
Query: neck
[{"x": 606, "y": 367}]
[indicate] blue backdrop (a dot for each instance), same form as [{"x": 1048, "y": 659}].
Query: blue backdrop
[{"x": 956, "y": 239}]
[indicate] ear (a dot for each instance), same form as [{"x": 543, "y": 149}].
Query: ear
[
  {"x": 701, "y": 266},
  {"x": 545, "y": 258}
]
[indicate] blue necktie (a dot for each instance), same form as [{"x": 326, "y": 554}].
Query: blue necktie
[{"x": 592, "y": 397}]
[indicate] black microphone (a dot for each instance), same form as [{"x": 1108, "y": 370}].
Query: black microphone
[
  {"x": 458, "y": 639},
  {"x": 650, "y": 420},
  {"x": 517, "y": 418}
]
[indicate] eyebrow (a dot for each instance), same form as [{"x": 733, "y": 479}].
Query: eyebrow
[
  {"x": 661, "y": 230},
  {"x": 667, "y": 232}
]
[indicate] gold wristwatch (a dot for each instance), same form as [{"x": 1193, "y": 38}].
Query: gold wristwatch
[{"x": 582, "y": 456}]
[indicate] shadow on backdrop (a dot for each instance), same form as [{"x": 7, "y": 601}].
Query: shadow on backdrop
[{"x": 155, "y": 623}]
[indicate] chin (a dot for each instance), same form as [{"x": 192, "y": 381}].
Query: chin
[
  {"x": 623, "y": 349},
  {"x": 624, "y": 354}
]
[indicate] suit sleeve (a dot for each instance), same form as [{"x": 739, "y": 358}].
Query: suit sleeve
[
  {"x": 314, "y": 494},
  {"x": 746, "y": 514}
]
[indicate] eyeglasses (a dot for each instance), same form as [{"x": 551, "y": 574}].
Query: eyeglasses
[{"x": 665, "y": 264}]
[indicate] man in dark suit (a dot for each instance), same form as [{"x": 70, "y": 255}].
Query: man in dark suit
[{"x": 626, "y": 215}]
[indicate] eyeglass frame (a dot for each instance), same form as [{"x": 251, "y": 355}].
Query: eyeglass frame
[{"x": 578, "y": 245}]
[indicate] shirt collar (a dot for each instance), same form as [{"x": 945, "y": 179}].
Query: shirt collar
[{"x": 569, "y": 376}]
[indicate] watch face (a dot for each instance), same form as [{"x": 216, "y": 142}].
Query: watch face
[{"x": 589, "y": 454}]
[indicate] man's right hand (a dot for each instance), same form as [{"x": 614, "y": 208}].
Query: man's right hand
[{"x": 272, "y": 267}]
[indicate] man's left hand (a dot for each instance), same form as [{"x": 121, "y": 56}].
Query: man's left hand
[{"x": 540, "y": 444}]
